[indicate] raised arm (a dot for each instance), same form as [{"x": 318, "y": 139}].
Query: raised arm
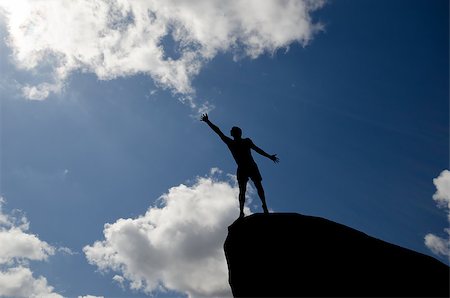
[
  {"x": 273, "y": 157},
  {"x": 216, "y": 129}
]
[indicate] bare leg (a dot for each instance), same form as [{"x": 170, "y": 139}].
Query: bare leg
[
  {"x": 261, "y": 195},
  {"x": 242, "y": 190}
]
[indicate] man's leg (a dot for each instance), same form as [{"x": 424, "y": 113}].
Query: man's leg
[
  {"x": 242, "y": 190},
  {"x": 261, "y": 195}
]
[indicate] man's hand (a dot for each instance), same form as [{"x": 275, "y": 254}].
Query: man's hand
[
  {"x": 204, "y": 117},
  {"x": 274, "y": 158}
]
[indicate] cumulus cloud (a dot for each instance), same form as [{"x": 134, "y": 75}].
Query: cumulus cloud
[
  {"x": 176, "y": 245},
  {"x": 168, "y": 40},
  {"x": 439, "y": 245},
  {"x": 17, "y": 243},
  {"x": 17, "y": 247},
  {"x": 19, "y": 282}
]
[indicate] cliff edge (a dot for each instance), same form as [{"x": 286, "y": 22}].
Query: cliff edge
[{"x": 288, "y": 254}]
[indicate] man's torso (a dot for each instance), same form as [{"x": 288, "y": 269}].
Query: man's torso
[{"x": 241, "y": 151}]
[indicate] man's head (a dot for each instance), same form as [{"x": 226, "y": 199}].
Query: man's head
[{"x": 236, "y": 132}]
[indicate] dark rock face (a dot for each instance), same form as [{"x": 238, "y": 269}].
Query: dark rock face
[{"x": 288, "y": 254}]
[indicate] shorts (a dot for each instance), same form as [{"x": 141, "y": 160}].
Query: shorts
[{"x": 252, "y": 172}]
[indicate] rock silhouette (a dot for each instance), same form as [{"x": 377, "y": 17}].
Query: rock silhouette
[{"x": 288, "y": 254}]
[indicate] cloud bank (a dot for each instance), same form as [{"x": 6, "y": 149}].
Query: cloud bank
[
  {"x": 439, "y": 245},
  {"x": 177, "y": 245},
  {"x": 18, "y": 247},
  {"x": 167, "y": 40}
]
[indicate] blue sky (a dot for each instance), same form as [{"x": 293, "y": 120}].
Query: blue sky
[{"x": 357, "y": 109}]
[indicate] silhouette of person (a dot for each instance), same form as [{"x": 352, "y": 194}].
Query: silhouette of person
[{"x": 241, "y": 150}]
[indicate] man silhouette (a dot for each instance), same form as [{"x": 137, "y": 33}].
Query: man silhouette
[{"x": 241, "y": 150}]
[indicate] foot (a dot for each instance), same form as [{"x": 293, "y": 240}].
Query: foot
[
  {"x": 241, "y": 215},
  {"x": 266, "y": 211}
]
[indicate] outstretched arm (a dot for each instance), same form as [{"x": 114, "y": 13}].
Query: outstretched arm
[
  {"x": 273, "y": 157},
  {"x": 216, "y": 129}
]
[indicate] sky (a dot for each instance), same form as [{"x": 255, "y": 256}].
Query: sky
[{"x": 110, "y": 185}]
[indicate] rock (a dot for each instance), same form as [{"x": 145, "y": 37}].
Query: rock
[{"x": 288, "y": 254}]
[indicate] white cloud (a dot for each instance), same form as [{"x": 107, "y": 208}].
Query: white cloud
[
  {"x": 18, "y": 247},
  {"x": 90, "y": 296},
  {"x": 16, "y": 243},
  {"x": 438, "y": 245},
  {"x": 19, "y": 282},
  {"x": 120, "y": 280},
  {"x": 41, "y": 91},
  {"x": 176, "y": 246},
  {"x": 442, "y": 195},
  {"x": 67, "y": 251},
  {"x": 118, "y": 38}
]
